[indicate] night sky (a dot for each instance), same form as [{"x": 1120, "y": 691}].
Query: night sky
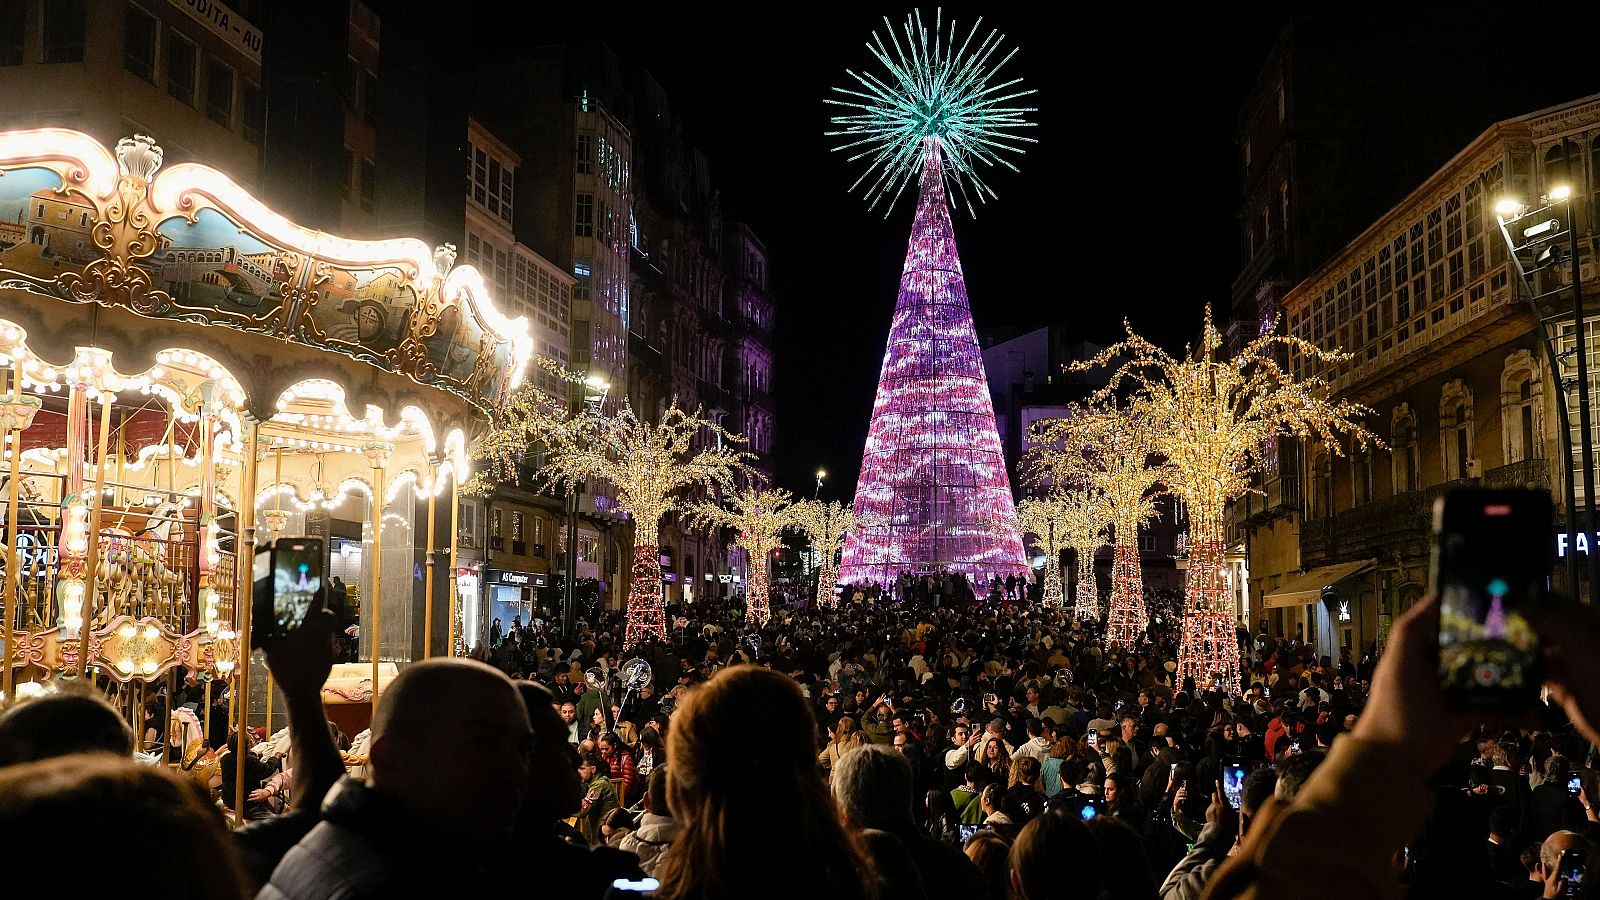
[{"x": 1124, "y": 208}]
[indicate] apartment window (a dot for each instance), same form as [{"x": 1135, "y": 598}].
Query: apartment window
[
  {"x": 138, "y": 43},
  {"x": 369, "y": 97},
  {"x": 13, "y": 31},
  {"x": 584, "y": 215},
  {"x": 181, "y": 62},
  {"x": 1283, "y": 205},
  {"x": 493, "y": 188},
  {"x": 369, "y": 184},
  {"x": 494, "y": 521},
  {"x": 252, "y": 111},
  {"x": 64, "y": 22},
  {"x": 1455, "y": 428},
  {"x": 1361, "y": 472},
  {"x": 349, "y": 174},
  {"x": 480, "y": 176},
  {"x": 1283, "y": 105},
  {"x": 219, "y": 92},
  {"x": 585, "y": 153},
  {"x": 516, "y": 525}
]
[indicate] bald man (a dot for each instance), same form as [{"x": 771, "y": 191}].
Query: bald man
[{"x": 448, "y": 773}]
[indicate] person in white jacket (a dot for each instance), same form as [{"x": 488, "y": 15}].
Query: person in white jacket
[{"x": 657, "y": 829}]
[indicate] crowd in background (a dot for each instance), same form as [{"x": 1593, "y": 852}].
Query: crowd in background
[{"x": 916, "y": 741}]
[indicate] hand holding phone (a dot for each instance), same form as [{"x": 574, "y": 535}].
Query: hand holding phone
[
  {"x": 1490, "y": 562},
  {"x": 287, "y": 586},
  {"x": 1234, "y": 772},
  {"x": 1571, "y": 871}
]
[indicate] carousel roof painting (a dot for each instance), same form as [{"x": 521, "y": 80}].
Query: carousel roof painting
[{"x": 88, "y": 225}]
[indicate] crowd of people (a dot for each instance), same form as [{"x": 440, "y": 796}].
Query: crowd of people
[{"x": 922, "y": 740}]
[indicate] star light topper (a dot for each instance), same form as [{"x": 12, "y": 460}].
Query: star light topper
[{"x": 939, "y": 88}]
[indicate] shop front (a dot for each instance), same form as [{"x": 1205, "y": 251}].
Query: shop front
[
  {"x": 513, "y": 595},
  {"x": 1332, "y": 608}
]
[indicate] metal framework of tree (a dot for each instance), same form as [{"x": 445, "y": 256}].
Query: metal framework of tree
[
  {"x": 825, "y": 523},
  {"x": 646, "y": 467},
  {"x": 933, "y": 475},
  {"x": 758, "y": 518},
  {"x": 1215, "y": 416},
  {"x": 1110, "y": 450}
]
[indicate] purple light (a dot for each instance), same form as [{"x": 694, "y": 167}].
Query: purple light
[{"x": 933, "y": 486}]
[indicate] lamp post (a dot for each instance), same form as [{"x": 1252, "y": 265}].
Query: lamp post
[
  {"x": 821, "y": 474},
  {"x": 1532, "y": 236},
  {"x": 595, "y": 390}
]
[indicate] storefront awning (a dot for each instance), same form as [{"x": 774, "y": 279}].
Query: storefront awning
[{"x": 1307, "y": 588}]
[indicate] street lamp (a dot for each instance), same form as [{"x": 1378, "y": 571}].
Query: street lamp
[
  {"x": 1532, "y": 236},
  {"x": 821, "y": 474}
]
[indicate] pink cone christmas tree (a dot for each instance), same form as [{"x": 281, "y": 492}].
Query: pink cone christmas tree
[{"x": 933, "y": 477}]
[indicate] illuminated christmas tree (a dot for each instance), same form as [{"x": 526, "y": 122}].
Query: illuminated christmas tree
[
  {"x": 1214, "y": 416},
  {"x": 933, "y": 492}
]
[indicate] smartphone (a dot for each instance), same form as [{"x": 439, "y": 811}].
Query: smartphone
[
  {"x": 624, "y": 888},
  {"x": 1094, "y": 739},
  {"x": 1574, "y": 784},
  {"x": 1088, "y": 807},
  {"x": 1294, "y": 746},
  {"x": 1574, "y": 864},
  {"x": 1173, "y": 772},
  {"x": 967, "y": 831},
  {"x": 1234, "y": 771},
  {"x": 1490, "y": 558},
  {"x": 288, "y": 583}
]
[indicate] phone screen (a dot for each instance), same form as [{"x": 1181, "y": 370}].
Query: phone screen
[
  {"x": 1574, "y": 784},
  {"x": 1088, "y": 808},
  {"x": 967, "y": 831},
  {"x": 296, "y": 578},
  {"x": 623, "y": 887},
  {"x": 1233, "y": 775},
  {"x": 1489, "y": 559},
  {"x": 1573, "y": 866},
  {"x": 1094, "y": 739}
]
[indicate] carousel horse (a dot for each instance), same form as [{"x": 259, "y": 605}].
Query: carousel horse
[
  {"x": 135, "y": 571},
  {"x": 35, "y": 539},
  {"x": 199, "y": 761}
]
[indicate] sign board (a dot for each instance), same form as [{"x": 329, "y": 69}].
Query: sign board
[
  {"x": 1561, "y": 544},
  {"x": 226, "y": 24}
]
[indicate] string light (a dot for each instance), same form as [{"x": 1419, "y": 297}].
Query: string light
[
  {"x": 1107, "y": 450},
  {"x": 758, "y": 518},
  {"x": 933, "y": 491},
  {"x": 825, "y": 524},
  {"x": 1215, "y": 417},
  {"x": 949, "y": 92},
  {"x": 645, "y": 466},
  {"x": 1067, "y": 518}
]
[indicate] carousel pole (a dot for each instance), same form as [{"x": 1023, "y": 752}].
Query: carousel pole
[
  {"x": 275, "y": 522},
  {"x": 18, "y": 416},
  {"x": 243, "y": 585},
  {"x": 455, "y": 528},
  {"x": 94, "y": 533},
  {"x": 377, "y": 453},
  {"x": 427, "y": 587}
]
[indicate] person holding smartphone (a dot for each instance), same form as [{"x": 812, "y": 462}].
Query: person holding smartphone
[{"x": 1371, "y": 794}]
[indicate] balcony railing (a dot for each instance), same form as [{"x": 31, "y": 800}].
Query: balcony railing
[
  {"x": 1371, "y": 527},
  {"x": 1529, "y": 473}
]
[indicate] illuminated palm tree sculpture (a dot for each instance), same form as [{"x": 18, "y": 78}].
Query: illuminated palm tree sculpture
[{"x": 1215, "y": 417}]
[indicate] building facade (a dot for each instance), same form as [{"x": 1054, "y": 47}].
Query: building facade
[
  {"x": 112, "y": 68},
  {"x": 1447, "y": 354}
]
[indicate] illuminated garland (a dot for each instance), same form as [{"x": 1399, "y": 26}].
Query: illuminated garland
[
  {"x": 758, "y": 518},
  {"x": 1215, "y": 417}
]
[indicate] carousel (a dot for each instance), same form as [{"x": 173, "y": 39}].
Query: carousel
[{"x": 186, "y": 375}]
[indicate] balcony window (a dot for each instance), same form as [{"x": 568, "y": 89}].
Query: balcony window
[{"x": 64, "y": 22}]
